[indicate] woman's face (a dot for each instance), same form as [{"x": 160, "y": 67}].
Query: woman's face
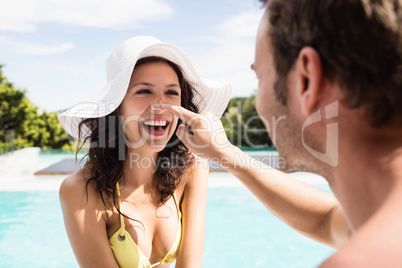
[{"x": 147, "y": 125}]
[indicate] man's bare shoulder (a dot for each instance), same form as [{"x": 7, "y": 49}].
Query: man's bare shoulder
[
  {"x": 375, "y": 244},
  {"x": 377, "y": 256},
  {"x": 346, "y": 259}
]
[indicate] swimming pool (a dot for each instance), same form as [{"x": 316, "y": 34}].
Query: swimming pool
[{"x": 240, "y": 232}]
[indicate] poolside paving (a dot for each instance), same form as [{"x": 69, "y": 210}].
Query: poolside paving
[{"x": 63, "y": 167}]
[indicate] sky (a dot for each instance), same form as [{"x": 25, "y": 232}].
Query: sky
[{"x": 57, "y": 50}]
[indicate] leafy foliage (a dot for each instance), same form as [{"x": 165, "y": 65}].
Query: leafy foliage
[
  {"x": 21, "y": 125},
  {"x": 242, "y": 124}
]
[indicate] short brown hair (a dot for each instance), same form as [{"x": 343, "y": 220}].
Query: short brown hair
[{"x": 360, "y": 44}]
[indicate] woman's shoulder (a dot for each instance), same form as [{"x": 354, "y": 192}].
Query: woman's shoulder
[
  {"x": 199, "y": 170},
  {"x": 74, "y": 183},
  {"x": 200, "y": 166},
  {"x": 77, "y": 189},
  {"x": 195, "y": 182}
]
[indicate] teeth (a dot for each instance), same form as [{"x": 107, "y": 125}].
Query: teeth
[{"x": 155, "y": 123}]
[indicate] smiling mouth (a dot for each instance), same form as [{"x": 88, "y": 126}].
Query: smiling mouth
[{"x": 155, "y": 126}]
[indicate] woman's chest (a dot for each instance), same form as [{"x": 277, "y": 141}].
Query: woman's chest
[{"x": 152, "y": 228}]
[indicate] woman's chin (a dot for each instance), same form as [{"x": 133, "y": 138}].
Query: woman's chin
[{"x": 157, "y": 147}]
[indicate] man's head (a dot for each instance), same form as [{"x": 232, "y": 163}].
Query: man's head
[
  {"x": 307, "y": 48},
  {"x": 359, "y": 43}
]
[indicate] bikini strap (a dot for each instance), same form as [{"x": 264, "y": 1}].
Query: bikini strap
[
  {"x": 177, "y": 205},
  {"x": 122, "y": 226},
  {"x": 155, "y": 264}
]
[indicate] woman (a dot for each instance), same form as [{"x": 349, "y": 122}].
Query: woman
[{"x": 140, "y": 199}]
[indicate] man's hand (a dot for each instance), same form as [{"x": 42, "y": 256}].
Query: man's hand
[{"x": 202, "y": 133}]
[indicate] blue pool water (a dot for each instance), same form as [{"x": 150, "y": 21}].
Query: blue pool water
[{"x": 240, "y": 232}]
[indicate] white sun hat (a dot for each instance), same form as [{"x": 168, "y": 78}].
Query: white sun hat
[{"x": 211, "y": 96}]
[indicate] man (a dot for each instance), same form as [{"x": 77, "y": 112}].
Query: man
[{"x": 333, "y": 68}]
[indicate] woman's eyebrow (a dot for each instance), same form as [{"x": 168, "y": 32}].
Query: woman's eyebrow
[
  {"x": 173, "y": 85},
  {"x": 144, "y": 84},
  {"x": 152, "y": 85}
]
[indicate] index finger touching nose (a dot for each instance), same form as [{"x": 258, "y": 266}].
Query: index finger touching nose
[{"x": 181, "y": 112}]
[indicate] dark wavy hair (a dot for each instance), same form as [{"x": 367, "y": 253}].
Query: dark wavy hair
[{"x": 108, "y": 149}]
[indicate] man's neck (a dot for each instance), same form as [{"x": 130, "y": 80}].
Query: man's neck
[{"x": 369, "y": 170}]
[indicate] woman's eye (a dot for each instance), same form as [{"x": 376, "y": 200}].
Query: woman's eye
[
  {"x": 173, "y": 92},
  {"x": 143, "y": 91}
]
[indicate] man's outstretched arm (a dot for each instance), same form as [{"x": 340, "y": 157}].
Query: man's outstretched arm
[{"x": 312, "y": 212}]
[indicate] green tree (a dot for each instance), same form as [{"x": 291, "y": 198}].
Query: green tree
[
  {"x": 231, "y": 122},
  {"x": 242, "y": 124},
  {"x": 20, "y": 123},
  {"x": 255, "y": 133},
  {"x": 57, "y": 136}
]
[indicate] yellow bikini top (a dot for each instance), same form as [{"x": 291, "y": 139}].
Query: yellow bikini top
[{"x": 129, "y": 255}]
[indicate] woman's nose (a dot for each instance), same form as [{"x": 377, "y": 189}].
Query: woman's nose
[{"x": 158, "y": 107}]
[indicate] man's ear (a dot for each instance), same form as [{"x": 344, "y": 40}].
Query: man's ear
[{"x": 309, "y": 80}]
